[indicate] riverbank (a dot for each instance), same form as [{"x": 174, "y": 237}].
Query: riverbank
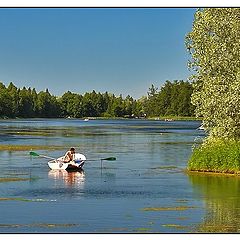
[{"x": 216, "y": 156}]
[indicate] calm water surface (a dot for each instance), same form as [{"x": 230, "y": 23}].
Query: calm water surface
[{"x": 145, "y": 190}]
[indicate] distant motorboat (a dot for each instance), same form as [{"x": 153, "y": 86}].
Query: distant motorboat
[{"x": 86, "y": 120}]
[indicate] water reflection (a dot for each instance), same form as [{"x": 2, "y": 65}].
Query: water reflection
[
  {"x": 70, "y": 179},
  {"x": 222, "y": 200}
]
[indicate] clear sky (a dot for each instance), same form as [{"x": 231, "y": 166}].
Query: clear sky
[{"x": 119, "y": 50}]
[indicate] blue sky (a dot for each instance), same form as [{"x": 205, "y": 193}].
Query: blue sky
[{"x": 119, "y": 50}]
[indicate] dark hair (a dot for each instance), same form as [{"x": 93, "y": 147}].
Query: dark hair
[{"x": 72, "y": 149}]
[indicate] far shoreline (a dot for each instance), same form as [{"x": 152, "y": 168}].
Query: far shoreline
[{"x": 157, "y": 118}]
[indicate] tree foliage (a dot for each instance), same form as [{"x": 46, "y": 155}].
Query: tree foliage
[
  {"x": 173, "y": 99},
  {"x": 215, "y": 59}
]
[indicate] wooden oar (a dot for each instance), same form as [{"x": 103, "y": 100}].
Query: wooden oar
[
  {"x": 106, "y": 159},
  {"x": 102, "y": 159},
  {"x": 34, "y": 154}
]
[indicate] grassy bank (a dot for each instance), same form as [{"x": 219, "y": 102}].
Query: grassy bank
[{"x": 221, "y": 156}]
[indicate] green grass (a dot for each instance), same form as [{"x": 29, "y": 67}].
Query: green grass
[{"x": 221, "y": 156}]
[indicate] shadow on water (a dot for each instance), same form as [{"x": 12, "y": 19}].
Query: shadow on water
[{"x": 222, "y": 202}]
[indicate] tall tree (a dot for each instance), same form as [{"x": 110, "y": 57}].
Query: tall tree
[{"x": 215, "y": 59}]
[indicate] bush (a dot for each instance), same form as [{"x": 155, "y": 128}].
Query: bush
[{"x": 216, "y": 156}]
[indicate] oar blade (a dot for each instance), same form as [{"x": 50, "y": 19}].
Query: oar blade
[
  {"x": 34, "y": 154},
  {"x": 109, "y": 159}
]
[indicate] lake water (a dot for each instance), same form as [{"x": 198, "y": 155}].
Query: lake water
[{"x": 145, "y": 190}]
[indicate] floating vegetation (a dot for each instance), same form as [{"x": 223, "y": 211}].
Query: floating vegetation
[
  {"x": 181, "y": 200},
  {"x": 116, "y": 229},
  {"x": 142, "y": 229},
  {"x": 30, "y": 133},
  {"x": 179, "y": 208},
  {"x": 42, "y": 225},
  {"x": 165, "y": 167},
  {"x": 182, "y": 218},
  {"x": 15, "y": 199},
  {"x": 175, "y": 143},
  {"x": 27, "y": 147},
  {"x": 2, "y": 180},
  {"x": 175, "y": 226},
  {"x": 17, "y": 174},
  {"x": 25, "y": 200}
]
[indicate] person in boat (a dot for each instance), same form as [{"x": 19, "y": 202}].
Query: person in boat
[{"x": 69, "y": 155}]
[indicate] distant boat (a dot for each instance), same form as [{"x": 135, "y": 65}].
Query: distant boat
[
  {"x": 201, "y": 128},
  {"x": 86, "y": 120},
  {"x": 168, "y": 120}
]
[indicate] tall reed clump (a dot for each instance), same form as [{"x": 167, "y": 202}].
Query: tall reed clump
[{"x": 216, "y": 155}]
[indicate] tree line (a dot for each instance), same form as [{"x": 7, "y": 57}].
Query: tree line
[{"x": 173, "y": 98}]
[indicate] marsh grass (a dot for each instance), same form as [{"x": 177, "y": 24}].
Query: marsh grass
[{"x": 221, "y": 156}]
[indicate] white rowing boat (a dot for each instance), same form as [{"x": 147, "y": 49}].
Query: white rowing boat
[{"x": 75, "y": 165}]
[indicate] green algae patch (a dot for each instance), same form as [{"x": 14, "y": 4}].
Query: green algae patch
[
  {"x": 27, "y": 147},
  {"x": 178, "y": 208},
  {"x": 3, "y": 180}
]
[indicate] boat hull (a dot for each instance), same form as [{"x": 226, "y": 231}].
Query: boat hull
[{"x": 75, "y": 165}]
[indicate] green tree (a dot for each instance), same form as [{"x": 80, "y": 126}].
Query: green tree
[
  {"x": 152, "y": 102},
  {"x": 6, "y": 106},
  {"x": 25, "y": 106},
  {"x": 47, "y": 105},
  {"x": 14, "y": 93},
  {"x": 214, "y": 47}
]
